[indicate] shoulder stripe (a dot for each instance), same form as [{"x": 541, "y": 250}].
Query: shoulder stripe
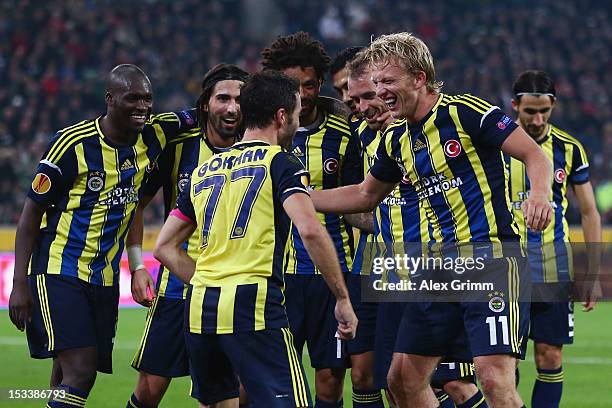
[
  {"x": 57, "y": 155},
  {"x": 476, "y": 100},
  {"x": 394, "y": 125},
  {"x": 69, "y": 128},
  {"x": 339, "y": 124},
  {"x": 67, "y": 139},
  {"x": 163, "y": 117},
  {"x": 342, "y": 130},
  {"x": 468, "y": 104},
  {"x": 564, "y": 136},
  {"x": 338, "y": 119}
]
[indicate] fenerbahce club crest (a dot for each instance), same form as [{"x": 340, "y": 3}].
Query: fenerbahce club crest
[
  {"x": 183, "y": 179},
  {"x": 95, "y": 180},
  {"x": 496, "y": 302}
]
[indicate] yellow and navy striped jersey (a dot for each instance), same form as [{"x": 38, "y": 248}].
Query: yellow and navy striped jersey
[
  {"x": 172, "y": 172},
  {"x": 90, "y": 188},
  {"x": 237, "y": 198},
  {"x": 398, "y": 218},
  {"x": 549, "y": 256},
  {"x": 331, "y": 155},
  {"x": 453, "y": 159}
]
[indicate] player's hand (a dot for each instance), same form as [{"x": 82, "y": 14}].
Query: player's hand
[
  {"x": 143, "y": 287},
  {"x": 383, "y": 117},
  {"x": 537, "y": 211},
  {"x": 347, "y": 321},
  {"x": 590, "y": 297},
  {"x": 20, "y": 305}
]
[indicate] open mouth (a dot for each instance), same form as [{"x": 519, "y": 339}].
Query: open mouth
[
  {"x": 230, "y": 121},
  {"x": 391, "y": 102},
  {"x": 139, "y": 117}
]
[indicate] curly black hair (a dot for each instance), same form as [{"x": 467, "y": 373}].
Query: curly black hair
[{"x": 298, "y": 49}]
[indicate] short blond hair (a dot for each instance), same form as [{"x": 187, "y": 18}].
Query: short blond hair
[{"x": 410, "y": 52}]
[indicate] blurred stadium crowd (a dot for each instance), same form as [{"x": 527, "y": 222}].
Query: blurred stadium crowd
[{"x": 54, "y": 57}]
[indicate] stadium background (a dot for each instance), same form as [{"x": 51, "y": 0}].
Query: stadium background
[{"x": 54, "y": 57}]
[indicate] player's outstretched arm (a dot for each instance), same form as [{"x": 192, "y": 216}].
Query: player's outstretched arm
[
  {"x": 363, "y": 221},
  {"x": 168, "y": 248},
  {"x": 537, "y": 208},
  {"x": 356, "y": 198},
  {"x": 28, "y": 228},
  {"x": 591, "y": 227},
  {"x": 143, "y": 287},
  {"x": 321, "y": 250}
]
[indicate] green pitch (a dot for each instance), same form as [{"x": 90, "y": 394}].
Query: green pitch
[{"x": 588, "y": 366}]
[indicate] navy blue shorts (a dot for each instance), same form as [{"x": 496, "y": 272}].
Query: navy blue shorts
[
  {"x": 552, "y": 323},
  {"x": 70, "y": 313},
  {"x": 162, "y": 347},
  {"x": 310, "y": 310},
  {"x": 366, "y": 314},
  {"x": 266, "y": 361},
  {"x": 451, "y": 371},
  {"x": 389, "y": 318},
  {"x": 387, "y": 326},
  {"x": 495, "y": 324}
]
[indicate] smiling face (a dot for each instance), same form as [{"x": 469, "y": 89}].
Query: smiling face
[
  {"x": 130, "y": 103},
  {"x": 310, "y": 87},
  {"x": 362, "y": 92},
  {"x": 533, "y": 114},
  {"x": 398, "y": 89},
  {"x": 223, "y": 109}
]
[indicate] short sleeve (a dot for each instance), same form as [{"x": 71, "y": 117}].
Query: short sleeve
[
  {"x": 288, "y": 176},
  {"x": 487, "y": 125},
  {"x": 184, "y": 204},
  {"x": 54, "y": 174},
  {"x": 385, "y": 168},
  {"x": 579, "y": 173}
]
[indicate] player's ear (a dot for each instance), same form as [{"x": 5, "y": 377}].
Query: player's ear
[
  {"x": 281, "y": 117},
  {"x": 515, "y": 105},
  {"x": 205, "y": 108},
  {"x": 108, "y": 97},
  {"x": 420, "y": 79}
]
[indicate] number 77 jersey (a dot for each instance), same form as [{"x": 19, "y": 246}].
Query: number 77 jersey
[{"x": 236, "y": 199}]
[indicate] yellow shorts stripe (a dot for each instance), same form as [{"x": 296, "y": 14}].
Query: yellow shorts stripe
[
  {"x": 297, "y": 379},
  {"x": 443, "y": 397},
  {"x": 518, "y": 309},
  {"x": 68, "y": 399},
  {"x": 480, "y": 401},
  {"x": 300, "y": 375},
  {"x": 143, "y": 341},
  {"x": 45, "y": 311},
  {"x": 513, "y": 303}
]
